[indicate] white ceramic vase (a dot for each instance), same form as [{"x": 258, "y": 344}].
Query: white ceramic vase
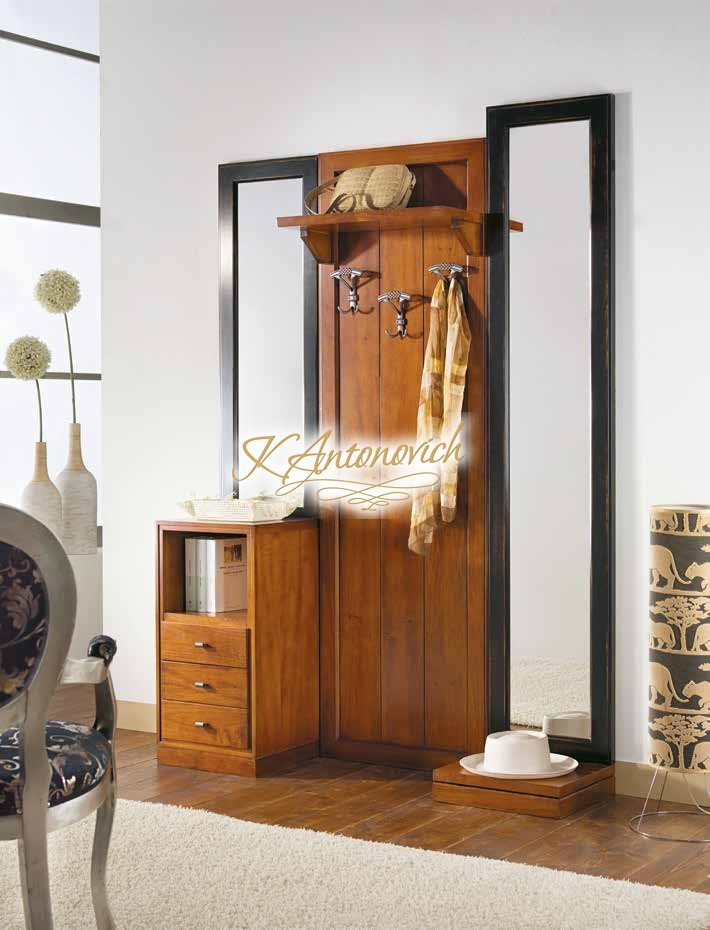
[
  {"x": 40, "y": 498},
  {"x": 78, "y": 489}
]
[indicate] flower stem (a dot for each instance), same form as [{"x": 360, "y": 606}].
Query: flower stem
[
  {"x": 39, "y": 404},
  {"x": 71, "y": 371}
]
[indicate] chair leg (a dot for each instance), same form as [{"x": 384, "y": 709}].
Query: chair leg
[
  {"x": 102, "y": 839},
  {"x": 34, "y": 874}
]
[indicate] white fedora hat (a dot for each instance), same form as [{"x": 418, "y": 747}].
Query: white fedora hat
[{"x": 518, "y": 754}]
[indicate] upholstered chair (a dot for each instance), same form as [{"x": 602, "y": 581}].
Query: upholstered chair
[{"x": 52, "y": 772}]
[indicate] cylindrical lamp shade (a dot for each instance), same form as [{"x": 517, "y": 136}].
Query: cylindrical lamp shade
[{"x": 679, "y": 670}]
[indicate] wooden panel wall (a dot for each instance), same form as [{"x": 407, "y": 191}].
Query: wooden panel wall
[
  {"x": 360, "y": 549},
  {"x": 284, "y": 660},
  {"x": 402, "y": 602},
  {"x": 402, "y": 637}
]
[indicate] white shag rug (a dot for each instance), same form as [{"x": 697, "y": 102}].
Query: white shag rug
[
  {"x": 178, "y": 869},
  {"x": 540, "y": 686}
]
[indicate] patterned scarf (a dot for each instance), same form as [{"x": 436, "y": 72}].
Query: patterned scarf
[{"x": 440, "y": 404}]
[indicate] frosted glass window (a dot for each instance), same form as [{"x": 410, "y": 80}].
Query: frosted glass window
[
  {"x": 74, "y": 23},
  {"x": 29, "y": 247},
  {"x": 20, "y": 431},
  {"x": 50, "y": 108}
]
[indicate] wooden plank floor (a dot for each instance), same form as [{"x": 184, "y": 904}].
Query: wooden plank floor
[{"x": 390, "y": 805}]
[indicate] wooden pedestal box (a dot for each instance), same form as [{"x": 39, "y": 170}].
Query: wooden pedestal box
[{"x": 541, "y": 797}]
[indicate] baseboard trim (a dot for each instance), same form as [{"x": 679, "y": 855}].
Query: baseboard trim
[
  {"x": 133, "y": 715},
  {"x": 634, "y": 779}
]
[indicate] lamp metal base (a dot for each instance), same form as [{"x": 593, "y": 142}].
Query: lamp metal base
[{"x": 636, "y": 823}]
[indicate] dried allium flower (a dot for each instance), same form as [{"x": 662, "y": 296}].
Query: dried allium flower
[
  {"x": 57, "y": 291},
  {"x": 27, "y": 358}
]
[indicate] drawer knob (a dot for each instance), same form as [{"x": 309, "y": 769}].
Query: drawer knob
[
  {"x": 200, "y": 645},
  {"x": 200, "y": 684},
  {"x": 201, "y": 724}
]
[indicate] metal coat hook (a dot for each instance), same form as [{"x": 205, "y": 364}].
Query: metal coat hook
[
  {"x": 447, "y": 271},
  {"x": 349, "y": 277},
  {"x": 401, "y": 309}
]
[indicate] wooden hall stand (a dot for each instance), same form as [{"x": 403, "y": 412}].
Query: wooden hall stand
[
  {"x": 238, "y": 691},
  {"x": 402, "y": 650},
  {"x": 402, "y": 638}
]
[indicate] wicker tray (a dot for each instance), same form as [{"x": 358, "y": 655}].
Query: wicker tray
[{"x": 240, "y": 510}]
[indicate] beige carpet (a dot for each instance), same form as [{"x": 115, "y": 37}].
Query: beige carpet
[{"x": 174, "y": 869}]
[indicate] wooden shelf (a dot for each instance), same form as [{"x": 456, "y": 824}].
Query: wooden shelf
[
  {"x": 225, "y": 528},
  {"x": 319, "y": 232}
]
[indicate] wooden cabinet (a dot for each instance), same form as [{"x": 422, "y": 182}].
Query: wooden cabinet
[{"x": 238, "y": 692}]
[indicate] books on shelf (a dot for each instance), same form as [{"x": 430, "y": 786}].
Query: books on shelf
[
  {"x": 191, "y": 573},
  {"x": 215, "y": 574}
]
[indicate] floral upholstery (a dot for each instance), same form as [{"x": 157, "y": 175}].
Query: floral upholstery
[
  {"x": 23, "y": 621},
  {"x": 79, "y": 757}
]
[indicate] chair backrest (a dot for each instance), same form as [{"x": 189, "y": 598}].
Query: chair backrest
[{"x": 37, "y": 614}]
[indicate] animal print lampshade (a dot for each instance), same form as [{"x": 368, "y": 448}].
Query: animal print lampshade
[{"x": 679, "y": 671}]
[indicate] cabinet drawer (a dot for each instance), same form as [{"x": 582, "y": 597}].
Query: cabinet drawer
[
  {"x": 204, "y": 684},
  {"x": 200, "y": 723},
  {"x": 203, "y": 644}
]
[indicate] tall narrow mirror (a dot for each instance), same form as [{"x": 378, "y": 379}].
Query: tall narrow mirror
[
  {"x": 268, "y": 302},
  {"x": 550, "y": 468},
  {"x": 550, "y": 428},
  {"x": 270, "y": 376}
]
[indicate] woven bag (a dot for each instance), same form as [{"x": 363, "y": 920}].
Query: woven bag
[{"x": 378, "y": 187}]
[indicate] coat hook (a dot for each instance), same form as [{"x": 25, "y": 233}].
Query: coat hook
[
  {"x": 349, "y": 276},
  {"x": 401, "y": 310},
  {"x": 447, "y": 271}
]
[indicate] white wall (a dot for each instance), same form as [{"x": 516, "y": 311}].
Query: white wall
[
  {"x": 88, "y": 575},
  {"x": 186, "y": 86}
]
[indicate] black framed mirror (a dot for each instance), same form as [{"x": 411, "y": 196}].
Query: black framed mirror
[
  {"x": 268, "y": 296},
  {"x": 550, "y": 558}
]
